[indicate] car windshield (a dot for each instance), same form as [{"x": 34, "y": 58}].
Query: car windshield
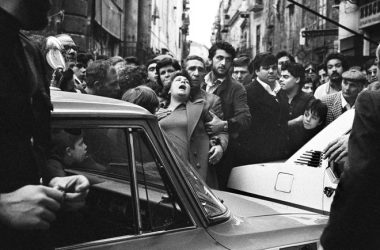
[{"x": 212, "y": 206}]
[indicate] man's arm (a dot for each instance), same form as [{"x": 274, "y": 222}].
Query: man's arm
[{"x": 241, "y": 119}]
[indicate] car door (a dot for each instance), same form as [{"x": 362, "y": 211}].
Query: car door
[{"x": 132, "y": 202}]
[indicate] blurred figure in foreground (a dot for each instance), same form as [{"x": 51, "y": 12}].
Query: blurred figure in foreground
[{"x": 354, "y": 217}]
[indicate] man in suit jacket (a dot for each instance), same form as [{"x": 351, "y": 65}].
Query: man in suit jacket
[
  {"x": 266, "y": 138},
  {"x": 354, "y": 218},
  {"x": 195, "y": 66},
  {"x": 234, "y": 103},
  {"x": 337, "y": 103}
]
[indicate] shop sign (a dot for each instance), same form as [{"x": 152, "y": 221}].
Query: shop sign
[{"x": 369, "y": 14}]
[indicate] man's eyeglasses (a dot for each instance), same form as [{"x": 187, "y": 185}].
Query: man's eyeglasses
[{"x": 309, "y": 70}]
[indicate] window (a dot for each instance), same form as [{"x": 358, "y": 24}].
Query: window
[
  {"x": 322, "y": 9},
  {"x": 117, "y": 161},
  {"x": 158, "y": 202},
  {"x": 258, "y": 38}
]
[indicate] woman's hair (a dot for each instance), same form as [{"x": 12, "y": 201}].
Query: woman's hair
[
  {"x": 164, "y": 63},
  {"x": 318, "y": 108},
  {"x": 142, "y": 96},
  {"x": 131, "y": 76},
  {"x": 165, "y": 91}
]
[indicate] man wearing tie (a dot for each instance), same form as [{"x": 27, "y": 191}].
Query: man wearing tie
[
  {"x": 234, "y": 103},
  {"x": 337, "y": 103}
]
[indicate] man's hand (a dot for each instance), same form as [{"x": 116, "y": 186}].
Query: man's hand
[
  {"x": 162, "y": 113},
  {"x": 30, "y": 207},
  {"x": 75, "y": 189},
  {"x": 216, "y": 125},
  {"x": 337, "y": 149},
  {"x": 215, "y": 154}
]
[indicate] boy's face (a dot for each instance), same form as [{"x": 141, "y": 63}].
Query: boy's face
[
  {"x": 287, "y": 81},
  {"x": 311, "y": 120},
  {"x": 79, "y": 151}
]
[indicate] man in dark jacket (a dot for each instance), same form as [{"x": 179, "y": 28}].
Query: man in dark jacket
[
  {"x": 234, "y": 103},
  {"x": 195, "y": 66},
  {"x": 266, "y": 138},
  {"x": 354, "y": 216},
  {"x": 26, "y": 208}
]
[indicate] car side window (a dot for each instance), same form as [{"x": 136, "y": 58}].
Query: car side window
[
  {"x": 160, "y": 207},
  {"x": 103, "y": 155}
]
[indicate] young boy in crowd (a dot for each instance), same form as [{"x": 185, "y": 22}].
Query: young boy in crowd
[
  {"x": 313, "y": 121},
  {"x": 68, "y": 149}
]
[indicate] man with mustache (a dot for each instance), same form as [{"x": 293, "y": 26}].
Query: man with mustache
[
  {"x": 234, "y": 104},
  {"x": 337, "y": 103},
  {"x": 336, "y": 64}
]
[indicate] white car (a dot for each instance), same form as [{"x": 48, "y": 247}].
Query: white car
[{"x": 305, "y": 180}]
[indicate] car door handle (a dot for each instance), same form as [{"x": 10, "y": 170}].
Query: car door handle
[{"x": 328, "y": 191}]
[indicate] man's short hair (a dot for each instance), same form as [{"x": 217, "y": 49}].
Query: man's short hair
[
  {"x": 195, "y": 57},
  {"x": 242, "y": 61},
  {"x": 132, "y": 60},
  {"x": 263, "y": 59},
  {"x": 369, "y": 63},
  {"x": 321, "y": 66},
  {"x": 338, "y": 56},
  {"x": 97, "y": 71},
  {"x": 296, "y": 70},
  {"x": 285, "y": 53},
  {"x": 151, "y": 61},
  {"x": 63, "y": 138},
  {"x": 223, "y": 46}
]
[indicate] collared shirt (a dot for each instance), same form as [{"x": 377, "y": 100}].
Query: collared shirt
[
  {"x": 297, "y": 105},
  {"x": 345, "y": 104},
  {"x": 268, "y": 89},
  {"x": 324, "y": 89},
  {"x": 212, "y": 84}
]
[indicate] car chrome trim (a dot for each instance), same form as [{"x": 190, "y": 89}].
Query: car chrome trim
[
  {"x": 124, "y": 238},
  {"x": 278, "y": 201},
  {"x": 134, "y": 186}
]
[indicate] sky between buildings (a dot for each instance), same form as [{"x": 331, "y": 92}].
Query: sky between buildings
[{"x": 202, "y": 16}]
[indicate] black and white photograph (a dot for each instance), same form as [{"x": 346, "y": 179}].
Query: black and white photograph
[{"x": 189, "y": 124}]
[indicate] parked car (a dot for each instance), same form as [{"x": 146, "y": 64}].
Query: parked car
[
  {"x": 143, "y": 196},
  {"x": 305, "y": 180}
]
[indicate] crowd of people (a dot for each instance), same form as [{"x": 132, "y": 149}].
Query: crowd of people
[{"x": 228, "y": 111}]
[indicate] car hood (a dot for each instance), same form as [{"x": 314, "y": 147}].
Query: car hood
[{"x": 259, "y": 224}]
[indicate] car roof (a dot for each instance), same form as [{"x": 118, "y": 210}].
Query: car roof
[{"x": 85, "y": 105}]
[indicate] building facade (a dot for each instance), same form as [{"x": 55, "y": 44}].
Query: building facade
[
  {"x": 138, "y": 28},
  {"x": 257, "y": 26}
]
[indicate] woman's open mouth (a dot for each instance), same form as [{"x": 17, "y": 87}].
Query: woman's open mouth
[{"x": 183, "y": 87}]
